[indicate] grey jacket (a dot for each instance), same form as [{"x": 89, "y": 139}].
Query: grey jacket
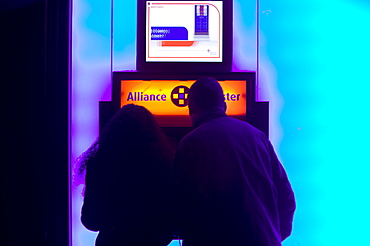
[{"x": 232, "y": 188}]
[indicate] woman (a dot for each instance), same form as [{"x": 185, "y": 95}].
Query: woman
[{"x": 129, "y": 186}]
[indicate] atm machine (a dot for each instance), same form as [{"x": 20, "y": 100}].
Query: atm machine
[
  {"x": 165, "y": 95},
  {"x": 177, "y": 43}
]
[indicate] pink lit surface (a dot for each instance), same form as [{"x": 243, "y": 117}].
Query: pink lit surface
[{"x": 90, "y": 82}]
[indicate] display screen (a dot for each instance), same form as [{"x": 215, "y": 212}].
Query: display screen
[
  {"x": 168, "y": 99},
  {"x": 184, "y": 31}
]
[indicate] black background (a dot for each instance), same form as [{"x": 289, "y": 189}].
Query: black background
[{"x": 34, "y": 39}]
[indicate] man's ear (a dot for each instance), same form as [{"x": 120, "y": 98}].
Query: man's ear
[
  {"x": 225, "y": 106},
  {"x": 190, "y": 109},
  {"x": 193, "y": 109}
]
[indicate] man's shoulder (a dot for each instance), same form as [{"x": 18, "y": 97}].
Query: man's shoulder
[
  {"x": 218, "y": 126},
  {"x": 228, "y": 124}
]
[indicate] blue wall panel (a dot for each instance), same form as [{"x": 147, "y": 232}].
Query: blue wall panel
[{"x": 313, "y": 63}]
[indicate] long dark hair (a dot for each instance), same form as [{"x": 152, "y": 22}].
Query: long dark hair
[{"x": 132, "y": 134}]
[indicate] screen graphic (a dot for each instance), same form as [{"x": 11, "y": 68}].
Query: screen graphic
[
  {"x": 184, "y": 31},
  {"x": 168, "y": 99}
]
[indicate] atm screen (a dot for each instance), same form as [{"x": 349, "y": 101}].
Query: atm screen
[
  {"x": 184, "y": 31},
  {"x": 168, "y": 99}
]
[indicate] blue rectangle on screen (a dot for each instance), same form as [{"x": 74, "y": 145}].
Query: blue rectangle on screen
[{"x": 169, "y": 33}]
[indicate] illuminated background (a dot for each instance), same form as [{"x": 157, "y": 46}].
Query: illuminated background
[{"x": 313, "y": 58}]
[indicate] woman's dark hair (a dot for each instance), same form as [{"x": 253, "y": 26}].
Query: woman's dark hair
[{"x": 132, "y": 136}]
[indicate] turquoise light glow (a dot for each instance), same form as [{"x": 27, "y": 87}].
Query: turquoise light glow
[
  {"x": 124, "y": 35},
  {"x": 320, "y": 50},
  {"x": 313, "y": 61}
]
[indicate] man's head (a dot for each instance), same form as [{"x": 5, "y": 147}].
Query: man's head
[{"x": 205, "y": 95}]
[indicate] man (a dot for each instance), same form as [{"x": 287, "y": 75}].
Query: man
[{"x": 232, "y": 188}]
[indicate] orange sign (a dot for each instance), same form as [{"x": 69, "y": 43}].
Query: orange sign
[{"x": 167, "y": 99}]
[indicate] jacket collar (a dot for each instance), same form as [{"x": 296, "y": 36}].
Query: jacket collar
[{"x": 209, "y": 115}]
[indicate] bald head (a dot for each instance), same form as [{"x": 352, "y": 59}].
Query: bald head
[{"x": 205, "y": 95}]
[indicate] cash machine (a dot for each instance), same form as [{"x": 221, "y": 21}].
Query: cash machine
[
  {"x": 177, "y": 43},
  {"x": 165, "y": 95}
]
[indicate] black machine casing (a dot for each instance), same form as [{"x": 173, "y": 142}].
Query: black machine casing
[
  {"x": 227, "y": 45},
  {"x": 257, "y": 113}
]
